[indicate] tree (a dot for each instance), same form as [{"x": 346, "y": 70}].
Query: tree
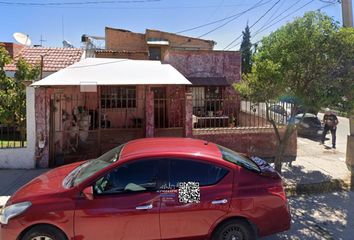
[
  {"x": 246, "y": 51},
  {"x": 305, "y": 60},
  {"x": 13, "y": 91}
]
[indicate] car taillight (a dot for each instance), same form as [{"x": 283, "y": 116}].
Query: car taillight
[{"x": 278, "y": 191}]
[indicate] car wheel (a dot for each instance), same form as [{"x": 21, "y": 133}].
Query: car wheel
[
  {"x": 234, "y": 230},
  {"x": 44, "y": 232}
]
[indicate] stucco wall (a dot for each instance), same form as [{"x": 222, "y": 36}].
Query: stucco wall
[
  {"x": 23, "y": 157},
  {"x": 254, "y": 142},
  {"x": 206, "y": 63}
]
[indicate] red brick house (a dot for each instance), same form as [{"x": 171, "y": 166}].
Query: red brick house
[{"x": 82, "y": 120}]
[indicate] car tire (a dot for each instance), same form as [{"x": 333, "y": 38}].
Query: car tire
[
  {"x": 234, "y": 230},
  {"x": 45, "y": 232}
]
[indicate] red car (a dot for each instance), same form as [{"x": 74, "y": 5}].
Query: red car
[{"x": 154, "y": 188}]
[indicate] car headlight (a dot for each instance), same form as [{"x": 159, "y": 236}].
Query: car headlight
[{"x": 13, "y": 211}]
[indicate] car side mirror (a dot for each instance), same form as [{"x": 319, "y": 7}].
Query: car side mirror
[{"x": 88, "y": 193}]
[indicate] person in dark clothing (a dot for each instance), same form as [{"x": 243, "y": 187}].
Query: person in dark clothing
[{"x": 330, "y": 121}]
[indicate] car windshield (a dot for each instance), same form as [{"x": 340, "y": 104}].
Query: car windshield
[
  {"x": 238, "y": 159},
  {"x": 90, "y": 167}
]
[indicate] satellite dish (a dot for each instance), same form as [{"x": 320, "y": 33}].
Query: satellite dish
[
  {"x": 22, "y": 38},
  {"x": 67, "y": 44}
]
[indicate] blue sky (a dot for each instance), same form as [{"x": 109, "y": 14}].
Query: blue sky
[{"x": 137, "y": 15}]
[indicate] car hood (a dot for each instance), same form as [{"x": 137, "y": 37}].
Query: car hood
[{"x": 45, "y": 184}]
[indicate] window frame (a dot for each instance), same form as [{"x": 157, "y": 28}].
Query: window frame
[{"x": 111, "y": 95}]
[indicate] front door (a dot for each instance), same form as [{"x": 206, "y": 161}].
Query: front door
[
  {"x": 160, "y": 104},
  {"x": 200, "y": 195},
  {"x": 125, "y": 205}
]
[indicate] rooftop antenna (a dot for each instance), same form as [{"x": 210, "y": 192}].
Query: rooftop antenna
[
  {"x": 42, "y": 40},
  {"x": 22, "y": 39}
]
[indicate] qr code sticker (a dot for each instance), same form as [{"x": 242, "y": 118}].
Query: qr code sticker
[{"x": 189, "y": 192}]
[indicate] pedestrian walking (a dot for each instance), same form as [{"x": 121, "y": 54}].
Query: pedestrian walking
[{"x": 330, "y": 121}]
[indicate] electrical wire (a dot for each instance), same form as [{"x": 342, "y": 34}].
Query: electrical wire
[
  {"x": 231, "y": 20},
  {"x": 233, "y": 17},
  {"x": 259, "y": 19},
  {"x": 274, "y": 19},
  {"x": 298, "y": 9},
  {"x": 75, "y": 3}
]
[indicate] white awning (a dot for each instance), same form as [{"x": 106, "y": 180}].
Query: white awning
[{"x": 110, "y": 71}]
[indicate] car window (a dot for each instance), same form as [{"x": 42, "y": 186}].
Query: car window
[
  {"x": 238, "y": 159},
  {"x": 131, "y": 177},
  {"x": 193, "y": 171},
  {"x": 89, "y": 168}
]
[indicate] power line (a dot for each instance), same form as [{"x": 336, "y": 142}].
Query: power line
[
  {"x": 298, "y": 9},
  {"x": 223, "y": 19},
  {"x": 233, "y": 19},
  {"x": 259, "y": 19},
  {"x": 75, "y": 3},
  {"x": 269, "y": 22}
]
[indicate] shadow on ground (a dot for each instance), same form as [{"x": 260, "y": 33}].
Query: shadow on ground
[
  {"x": 325, "y": 216},
  {"x": 298, "y": 175}
]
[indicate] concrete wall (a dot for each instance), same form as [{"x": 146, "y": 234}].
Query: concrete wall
[
  {"x": 23, "y": 157},
  {"x": 206, "y": 63},
  {"x": 254, "y": 142}
]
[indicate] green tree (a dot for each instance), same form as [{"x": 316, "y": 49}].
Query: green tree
[
  {"x": 303, "y": 59},
  {"x": 246, "y": 51},
  {"x": 13, "y": 91}
]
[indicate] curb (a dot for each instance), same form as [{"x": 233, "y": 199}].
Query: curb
[{"x": 321, "y": 187}]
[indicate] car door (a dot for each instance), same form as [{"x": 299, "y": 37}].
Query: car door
[
  {"x": 199, "y": 193},
  {"x": 125, "y": 204}
]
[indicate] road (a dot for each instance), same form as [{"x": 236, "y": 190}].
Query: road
[{"x": 324, "y": 216}]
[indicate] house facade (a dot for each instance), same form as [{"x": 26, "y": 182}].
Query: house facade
[{"x": 74, "y": 123}]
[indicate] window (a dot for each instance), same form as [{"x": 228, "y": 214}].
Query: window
[
  {"x": 193, "y": 171},
  {"x": 89, "y": 168},
  {"x": 207, "y": 99},
  {"x": 118, "y": 97},
  {"x": 131, "y": 177},
  {"x": 154, "y": 53},
  {"x": 238, "y": 159}
]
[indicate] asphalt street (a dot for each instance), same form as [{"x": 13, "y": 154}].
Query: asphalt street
[{"x": 324, "y": 216}]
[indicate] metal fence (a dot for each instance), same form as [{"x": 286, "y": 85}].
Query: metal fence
[
  {"x": 11, "y": 137},
  {"x": 238, "y": 113},
  {"x": 169, "y": 112}
]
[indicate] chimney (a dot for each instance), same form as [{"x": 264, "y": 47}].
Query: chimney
[{"x": 13, "y": 48}]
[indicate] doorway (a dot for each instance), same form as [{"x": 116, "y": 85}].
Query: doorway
[{"x": 160, "y": 104}]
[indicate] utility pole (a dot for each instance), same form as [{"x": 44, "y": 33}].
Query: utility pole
[{"x": 347, "y": 14}]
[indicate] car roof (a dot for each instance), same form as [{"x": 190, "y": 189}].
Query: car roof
[{"x": 168, "y": 146}]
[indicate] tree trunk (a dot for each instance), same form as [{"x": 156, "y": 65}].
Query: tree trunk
[{"x": 282, "y": 146}]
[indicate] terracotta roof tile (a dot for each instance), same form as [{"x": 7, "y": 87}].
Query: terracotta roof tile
[{"x": 54, "y": 58}]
